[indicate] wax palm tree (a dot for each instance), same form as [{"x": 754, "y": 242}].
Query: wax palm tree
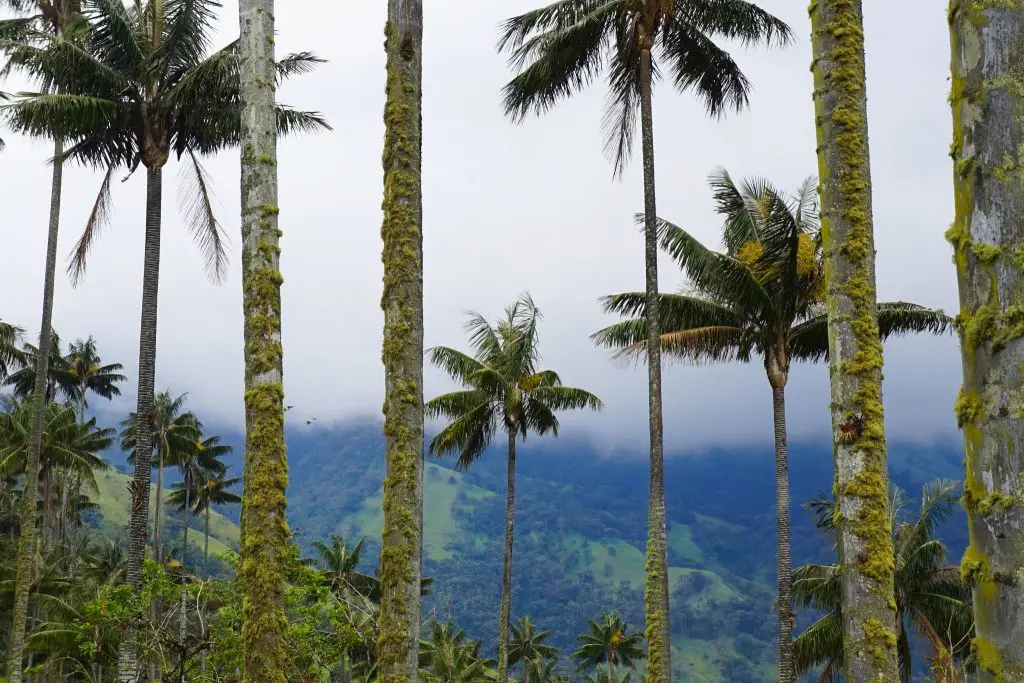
[
  {"x": 56, "y": 383},
  {"x": 559, "y": 49},
  {"x": 762, "y": 299},
  {"x": 546, "y": 671},
  {"x": 141, "y": 88},
  {"x": 340, "y": 562},
  {"x": 211, "y": 488},
  {"x": 68, "y": 445},
  {"x": 448, "y": 657},
  {"x": 52, "y": 19},
  {"x": 606, "y": 676},
  {"x": 527, "y": 646},
  {"x": 608, "y": 641},
  {"x": 88, "y": 374},
  {"x": 402, "y": 347},
  {"x": 106, "y": 562},
  {"x": 504, "y": 390},
  {"x": 932, "y": 599},
  {"x": 174, "y": 433},
  {"x": 10, "y": 348},
  {"x": 193, "y": 464},
  {"x": 860, "y": 456}
]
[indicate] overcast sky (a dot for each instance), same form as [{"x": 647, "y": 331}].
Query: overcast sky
[{"x": 507, "y": 208}]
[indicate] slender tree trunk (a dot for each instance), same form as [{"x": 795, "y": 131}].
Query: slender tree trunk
[
  {"x": 27, "y": 544},
  {"x": 784, "y": 557},
  {"x": 264, "y": 527},
  {"x": 206, "y": 543},
  {"x": 127, "y": 651},
  {"x": 612, "y": 673},
  {"x": 184, "y": 564},
  {"x": 402, "y": 303},
  {"x": 987, "y": 236},
  {"x": 504, "y": 618},
  {"x": 659, "y": 638},
  {"x": 158, "y": 518},
  {"x": 855, "y": 351}
]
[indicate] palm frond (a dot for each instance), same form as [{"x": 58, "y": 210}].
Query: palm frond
[
  {"x": 297, "y": 64},
  {"x": 809, "y": 339},
  {"x": 99, "y": 217},
  {"x": 195, "y": 200},
  {"x": 736, "y": 20},
  {"x": 818, "y": 643},
  {"x": 456, "y": 364},
  {"x": 701, "y": 67}
]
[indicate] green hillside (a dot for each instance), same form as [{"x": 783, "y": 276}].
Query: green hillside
[
  {"x": 115, "y": 512},
  {"x": 460, "y": 540}
]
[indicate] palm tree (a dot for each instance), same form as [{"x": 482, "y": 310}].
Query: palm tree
[
  {"x": 932, "y": 598},
  {"x": 56, "y": 381},
  {"x": 447, "y": 657},
  {"x": 503, "y": 390},
  {"x": 609, "y": 641},
  {"x": 53, "y": 17},
  {"x": 761, "y": 299},
  {"x": 202, "y": 459},
  {"x": 10, "y": 351},
  {"x": 174, "y": 433},
  {"x": 140, "y": 89},
  {"x": 402, "y": 348},
  {"x": 88, "y": 373},
  {"x": 986, "y": 54},
  {"x": 527, "y": 646},
  {"x": 68, "y": 446},
  {"x": 340, "y": 562},
  {"x": 855, "y": 359},
  {"x": 211, "y": 487},
  {"x": 561, "y": 48}
]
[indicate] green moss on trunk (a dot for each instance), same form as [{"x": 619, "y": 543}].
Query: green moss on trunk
[
  {"x": 402, "y": 353},
  {"x": 861, "y": 483}
]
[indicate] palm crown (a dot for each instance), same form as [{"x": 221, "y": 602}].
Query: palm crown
[
  {"x": 608, "y": 640},
  {"x": 86, "y": 369},
  {"x": 137, "y": 85},
  {"x": 763, "y": 296},
  {"x": 559, "y": 49},
  {"x": 504, "y": 387},
  {"x": 527, "y": 646},
  {"x": 932, "y": 599},
  {"x": 175, "y": 431}
]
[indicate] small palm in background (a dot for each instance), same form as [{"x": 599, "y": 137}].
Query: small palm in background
[
  {"x": 527, "y": 646},
  {"x": 609, "y": 641},
  {"x": 504, "y": 390},
  {"x": 932, "y": 599}
]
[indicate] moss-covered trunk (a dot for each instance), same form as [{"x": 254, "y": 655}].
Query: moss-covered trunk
[
  {"x": 158, "y": 520},
  {"x": 659, "y": 639},
  {"x": 127, "y": 651},
  {"x": 402, "y": 302},
  {"x": 988, "y": 240},
  {"x": 27, "y": 544},
  {"x": 505, "y": 611},
  {"x": 855, "y": 351},
  {"x": 264, "y": 528}
]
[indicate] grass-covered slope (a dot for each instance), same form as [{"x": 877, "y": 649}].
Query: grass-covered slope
[{"x": 114, "y": 512}]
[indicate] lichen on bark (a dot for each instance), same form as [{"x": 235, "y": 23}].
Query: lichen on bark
[
  {"x": 264, "y": 527},
  {"x": 861, "y": 477},
  {"x": 987, "y": 101},
  {"x": 402, "y": 352}
]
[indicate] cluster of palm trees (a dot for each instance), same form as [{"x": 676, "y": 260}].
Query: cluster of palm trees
[{"x": 128, "y": 85}]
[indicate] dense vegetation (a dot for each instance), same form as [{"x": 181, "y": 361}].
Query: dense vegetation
[{"x": 103, "y": 581}]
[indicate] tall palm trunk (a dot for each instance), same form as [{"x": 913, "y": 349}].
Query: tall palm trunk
[
  {"x": 127, "y": 650},
  {"x": 402, "y": 303},
  {"x": 206, "y": 543},
  {"x": 506, "y": 562},
  {"x": 659, "y": 639},
  {"x": 183, "y": 621},
  {"x": 784, "y": 552},
  {"x": 612, "y": 674},
  {"x": 264, "y": 527},
  {"x": 855, "y": 351},
  {"x": 158, "y": 520},
  {"x": 27, "y": 544},
  {"x": 988, "y": 48}
]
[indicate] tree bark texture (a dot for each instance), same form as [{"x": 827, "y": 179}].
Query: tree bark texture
[
  {"x": 29, "y": 531},
  {"x": 659, "y": 639},
  {"x": 264, "y": 527},
  {"x": 402, "y": 303},
  {"x": 127, "y": 651},
  {"x": 987, "y": 40},
  {"x": 784, "y": 550},
  {"x": 855, "y": 351},
  {"x": 504, "y": 618}
]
